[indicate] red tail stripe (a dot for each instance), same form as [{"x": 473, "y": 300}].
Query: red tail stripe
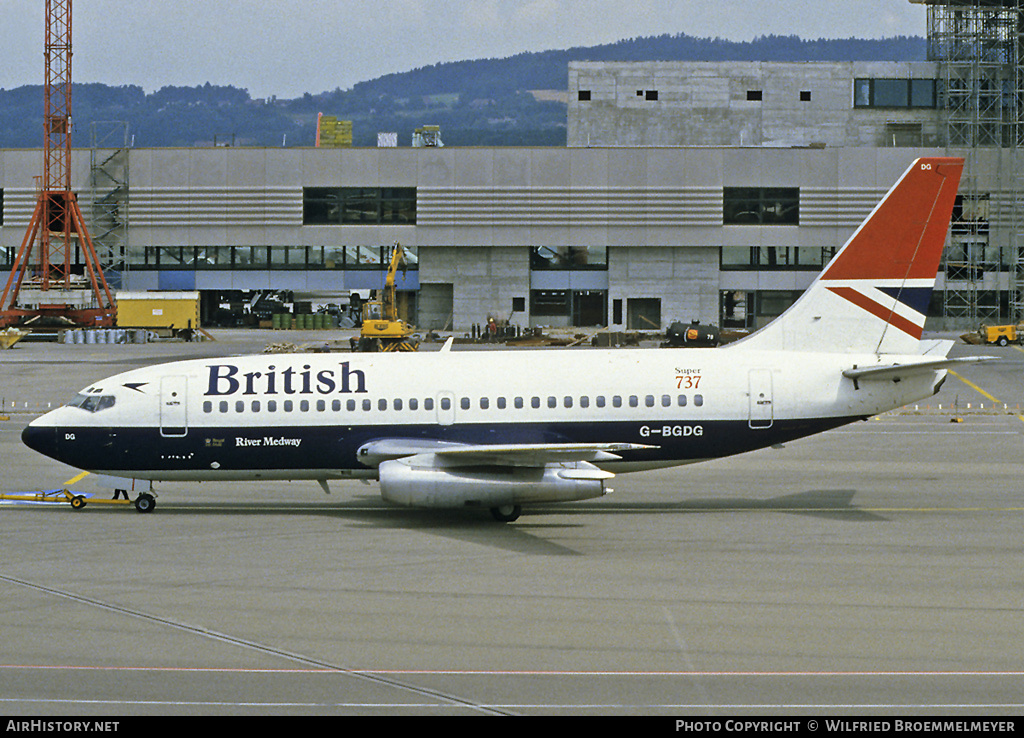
[
  {"x": 905, "y": 236},
  {"x": 866, "y": 303}
]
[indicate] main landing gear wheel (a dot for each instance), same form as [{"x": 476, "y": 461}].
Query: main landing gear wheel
[
  {"x": 506, "y": 513},
  {"x": 145, "y": 503}
]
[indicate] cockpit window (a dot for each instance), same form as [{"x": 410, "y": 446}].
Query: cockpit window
[{"x": 93, "y": 403}]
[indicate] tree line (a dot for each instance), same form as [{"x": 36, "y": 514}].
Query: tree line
[{"x": 478, "y": 102}]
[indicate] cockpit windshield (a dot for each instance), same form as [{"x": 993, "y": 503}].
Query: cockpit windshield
[{"x": 92, "y": 403}]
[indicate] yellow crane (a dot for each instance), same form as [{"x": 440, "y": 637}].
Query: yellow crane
[{"x": 382, "y": 329}]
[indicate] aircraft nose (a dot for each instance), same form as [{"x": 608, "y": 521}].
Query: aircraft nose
[{"x": 40, "y": 438}]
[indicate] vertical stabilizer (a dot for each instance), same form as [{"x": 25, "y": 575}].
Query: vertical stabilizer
[{"x": 873, "y": 296}]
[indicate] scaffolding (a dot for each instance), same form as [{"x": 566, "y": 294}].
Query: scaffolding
[
  {"x": 108, "y": 179},
  {"x": 977, "y": 45}
]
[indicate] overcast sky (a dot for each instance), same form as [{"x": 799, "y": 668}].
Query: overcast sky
[{"x": 287, "y": 47}]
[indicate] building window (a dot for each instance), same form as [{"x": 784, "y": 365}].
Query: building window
[
  {"x": 805, "y": 95},
  {"x": 761, "y": 206},
  {"x": 584, "y": 96},
  {"x": 754, "y": 95},
  {"x": 359, "y": 206},
  {"x": 774, "y": 258},
  {"x": 651, "y": 95},
  {"x": 549, "y": 303},
  {"x": 970, "y": 214},
  {"x": 569, "y": 307},
  {"x": 894, "y": 93},
  {"x": 568, "y": 257},
  {"x": 369, "y": 257},
  {"x": 643, "y": 314}
]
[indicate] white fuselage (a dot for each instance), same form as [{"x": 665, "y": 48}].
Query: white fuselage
[{"x": 305, "y": 416}]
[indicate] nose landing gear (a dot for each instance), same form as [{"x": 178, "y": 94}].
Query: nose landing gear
[{"x": 145, "y": 503}]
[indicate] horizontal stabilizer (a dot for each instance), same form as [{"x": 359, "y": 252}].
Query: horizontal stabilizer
[{"x": 896, "y": 372}]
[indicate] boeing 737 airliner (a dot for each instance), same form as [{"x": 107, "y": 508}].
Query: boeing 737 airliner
[{"x": 504, "y": 429}]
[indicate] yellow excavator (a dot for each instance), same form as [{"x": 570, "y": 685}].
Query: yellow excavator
[{"x": 382, "y": 329}]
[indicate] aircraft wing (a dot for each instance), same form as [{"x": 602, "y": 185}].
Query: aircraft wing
[
  {"x": 440, "y": 453},
  {"x": 534, "y": 454},
  {"x": 896, "y": 372}
]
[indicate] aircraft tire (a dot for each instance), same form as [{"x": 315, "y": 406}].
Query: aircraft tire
[
  {"x": 145, "y": 503},
  {"x": 77, "y": 502},
  {"x": 506, "y": 513}
]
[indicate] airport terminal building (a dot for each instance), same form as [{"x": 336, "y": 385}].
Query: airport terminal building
[{"x": 687, "y": 191}]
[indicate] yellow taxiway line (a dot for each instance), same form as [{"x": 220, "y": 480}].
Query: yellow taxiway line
[{"x": 984, "y": 394}]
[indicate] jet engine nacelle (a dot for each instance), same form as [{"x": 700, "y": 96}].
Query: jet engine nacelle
[{"x": 405, "y": 483}]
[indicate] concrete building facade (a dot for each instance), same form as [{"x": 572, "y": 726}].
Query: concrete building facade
[
  {"x": 718, "y": 199},
  {"x": 873, "y": 104}
]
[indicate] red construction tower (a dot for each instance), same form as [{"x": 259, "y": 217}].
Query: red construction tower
[{"x": 56, "y": 277}]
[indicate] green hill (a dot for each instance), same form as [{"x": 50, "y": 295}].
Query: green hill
[{"x": 478, "y": 102}]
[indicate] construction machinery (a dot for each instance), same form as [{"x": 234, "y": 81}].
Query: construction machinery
[
  {"x": 56, "y": 278},
  {"x": 382, "y": 329}
]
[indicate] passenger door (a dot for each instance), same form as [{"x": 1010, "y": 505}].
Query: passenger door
[
  {"x": 173, "y": 406},
  {"x": 761, "y": 401}
]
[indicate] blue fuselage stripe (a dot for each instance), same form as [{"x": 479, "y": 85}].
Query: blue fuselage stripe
[{"x": 309, "y": 448}]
